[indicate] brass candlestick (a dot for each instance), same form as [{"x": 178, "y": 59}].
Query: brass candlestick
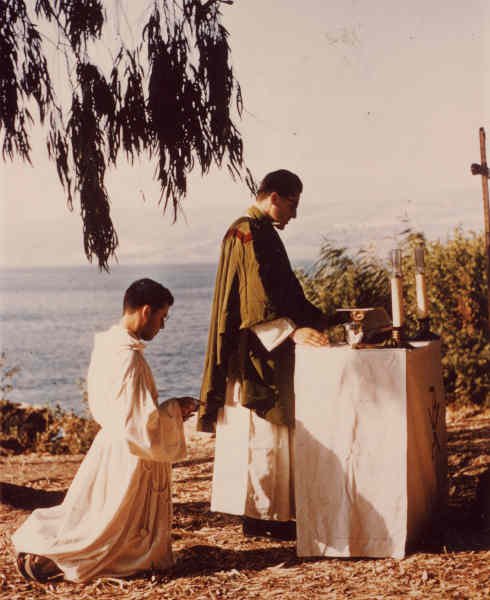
[
  {"x": 423, "y": 329},
  {"x": 398, "y": 339},
  {"x": 424, "y": 334},
  {"x": 398, "y": 335}
]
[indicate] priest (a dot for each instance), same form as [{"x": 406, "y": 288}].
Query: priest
[
  {"x": 116, "y": 517},
  {"x": 259, "y": 313}
]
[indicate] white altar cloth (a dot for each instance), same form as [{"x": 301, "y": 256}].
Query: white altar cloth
[{"x": 370, "y": 440}]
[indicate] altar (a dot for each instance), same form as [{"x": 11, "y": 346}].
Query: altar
[{"x": 370, "y": 448}]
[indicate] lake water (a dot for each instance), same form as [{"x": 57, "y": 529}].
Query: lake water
[{"x": 48, "y": 317}]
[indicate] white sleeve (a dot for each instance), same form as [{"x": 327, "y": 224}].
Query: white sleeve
[
  {"x": 273, "y": 333},
  {"x": 153, "y": 432},
  {"x": 123, "y": 400}
]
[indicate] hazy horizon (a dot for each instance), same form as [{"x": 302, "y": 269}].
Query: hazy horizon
[{"x": 377, "y": 108}]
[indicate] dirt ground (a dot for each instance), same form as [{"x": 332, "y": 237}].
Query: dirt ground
[{"x": 215, "y": 561}]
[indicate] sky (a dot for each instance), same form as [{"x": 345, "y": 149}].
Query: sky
[{"x": 376, "y": 105}]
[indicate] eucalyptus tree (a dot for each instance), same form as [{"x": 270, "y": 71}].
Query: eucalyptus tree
[{"x": 170, "y": 96}]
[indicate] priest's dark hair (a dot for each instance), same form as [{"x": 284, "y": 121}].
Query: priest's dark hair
[
  {"x": 282, "y": 182},
  {"x": 146, "y": 291}
]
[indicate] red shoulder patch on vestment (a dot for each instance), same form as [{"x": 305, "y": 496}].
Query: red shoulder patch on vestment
[{"x": 241, "y": 235}]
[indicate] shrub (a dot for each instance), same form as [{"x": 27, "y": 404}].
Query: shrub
[
  {"x": 26, "y": 428},
  {"x": 456, "y": 288}
]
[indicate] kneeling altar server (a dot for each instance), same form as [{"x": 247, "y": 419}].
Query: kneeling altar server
[{"x": 116, "y": 517}]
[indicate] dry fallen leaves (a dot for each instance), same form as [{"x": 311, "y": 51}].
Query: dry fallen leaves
[{"x": 214, "y": 560}]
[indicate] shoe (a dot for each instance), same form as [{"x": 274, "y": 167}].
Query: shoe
[
  {"x": 36, "y": 568},
  {"x": 253, "y": 527},
  {"x": 278, "y": 530},
  {"x": 283, "y": 530}
]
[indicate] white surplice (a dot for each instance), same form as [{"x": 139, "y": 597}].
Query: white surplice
[
  {"x": 116, "y": 517},
  {"x": 253, "y": 464}
]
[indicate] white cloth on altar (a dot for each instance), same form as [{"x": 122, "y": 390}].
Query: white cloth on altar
[
  {"x": 370, "y": 448},
  {"x": 116, "y": 517},
  {"x": 253, "y": 465}
]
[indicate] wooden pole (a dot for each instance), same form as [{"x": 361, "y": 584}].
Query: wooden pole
[{"x": 482, "y": 169}]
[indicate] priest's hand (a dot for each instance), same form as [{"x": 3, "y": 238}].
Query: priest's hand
[{"x": 309, "y": 337}]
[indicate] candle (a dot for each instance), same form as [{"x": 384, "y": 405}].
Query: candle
[
  {"x": 396, "y": 301},
  {"x": 396, "y": 262},
  {"x": 420, "y": 289},
  {"x": 419, "y": 258},
  {"x": 421, "y": 292}
]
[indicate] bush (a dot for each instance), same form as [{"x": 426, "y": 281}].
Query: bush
[
  {"x": 26, "y": 428},
  {"x": 456, "y": 288}
]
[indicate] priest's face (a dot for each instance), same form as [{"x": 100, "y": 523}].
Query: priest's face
[
  {"x": 153, "y": 320},
  {"x": 283, "y": 209}
]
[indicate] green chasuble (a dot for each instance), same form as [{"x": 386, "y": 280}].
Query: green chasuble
[{"x": 254, "y": 283}]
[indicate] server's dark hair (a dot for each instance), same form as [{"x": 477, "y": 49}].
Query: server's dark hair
[
  {"x": 282, "y": 182},
  {"x": 146, "y": 291}
]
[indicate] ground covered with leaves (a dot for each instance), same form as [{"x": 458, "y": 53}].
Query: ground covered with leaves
[{"x": 215, "y": 561}]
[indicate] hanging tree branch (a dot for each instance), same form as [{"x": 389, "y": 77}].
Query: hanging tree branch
[{"x": 171, "y": 97}]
